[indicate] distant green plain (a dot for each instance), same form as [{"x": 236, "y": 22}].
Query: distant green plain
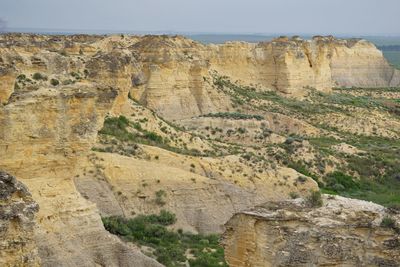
[{"x": 393, "y": 57}]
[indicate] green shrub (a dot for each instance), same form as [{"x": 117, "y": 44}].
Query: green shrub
[
  {"x": 38, "y": 76},
  {"x": 160, "y": 197},
  {"x": 233, "y": 115},
  {"x": 153, "y": 137},
  {"x": 314, "y": 199},
  {"x": 388, "y": 222},
  {"x": 54, "y": 82},
  {"x": 76, "y": 75},
  {"x": 21, "y": 77},
  {"x": 116, "y": 126},
  {"x": 67, "y": 82},
  {"x": 301, "y": 168},
  {"x": 169, "y": 247},
  {"x": 339, "y": 182}
]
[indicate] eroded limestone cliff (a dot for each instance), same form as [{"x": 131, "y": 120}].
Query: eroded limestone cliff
[
  {"x": 45, "y": 133},
  {"x": 176, "y": 69},
  {"x": 343, "y": 232},
  {"x": 56, "y": 91}
]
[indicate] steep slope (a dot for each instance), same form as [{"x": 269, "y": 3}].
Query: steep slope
[
  {"x": 44, "y": 134},
  {"x": 203, "y": 184}
]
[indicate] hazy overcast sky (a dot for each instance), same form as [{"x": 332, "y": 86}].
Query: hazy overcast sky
[{"x": 231, "y": 16}]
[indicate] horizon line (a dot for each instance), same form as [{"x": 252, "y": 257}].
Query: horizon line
[{"x": 168, "y": 32}]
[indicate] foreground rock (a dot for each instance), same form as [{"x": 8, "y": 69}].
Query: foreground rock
[
  {"x": 343, "y": 232},
  {"x": 17, "y": 211}
]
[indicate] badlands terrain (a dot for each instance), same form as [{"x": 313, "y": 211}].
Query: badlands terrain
[{"x": 159, "y": 150}]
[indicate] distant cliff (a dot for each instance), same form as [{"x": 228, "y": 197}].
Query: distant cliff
[
  {"x": 170, "y": 74},
  {"x": 174, "y": 69}
]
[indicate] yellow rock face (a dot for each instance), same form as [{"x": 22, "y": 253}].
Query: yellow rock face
[
  {"x": 343, "y": 232},
  {"x": 7, "y": 79},
  {"x": 50, "y": 116},
  {"x": 175, "y": 69},
  {"x": 44, "y": 135}
]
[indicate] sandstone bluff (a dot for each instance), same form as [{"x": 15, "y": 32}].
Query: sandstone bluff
[
  {"x": 57, "y": 92},
  {"x": 342, "y": 232}
]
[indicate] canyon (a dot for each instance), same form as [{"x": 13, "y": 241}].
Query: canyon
[{"x": 99, "y": 126}]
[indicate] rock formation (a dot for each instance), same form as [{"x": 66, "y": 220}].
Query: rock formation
[
  {"x": 174, "y": 69},
  {"x": 169, "y": 74},
  {"x": 17, "y": 211},
  {"x": 55, "y": 92},
  {"x": 45, "y": 132},
  {"x": 343, "y": 232}
]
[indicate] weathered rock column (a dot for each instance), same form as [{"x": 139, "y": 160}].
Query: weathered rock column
[{"x": 17, "y": 211}]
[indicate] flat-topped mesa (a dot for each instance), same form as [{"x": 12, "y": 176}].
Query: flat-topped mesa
[
  {"x": 343, "y": 232},
  {"x": 290, "y": 64},
  {"x": 169, "y": 73},
  {"x": 174, "y": 68}
]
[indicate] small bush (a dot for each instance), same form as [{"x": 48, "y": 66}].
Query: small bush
[
  {"x": 388, "y": 222},
  {"x": 160, "y": 197},
  {"x": 338, "y": 182},
  {"x": 38, "y": 76},
  {"x": 241, "y": 130},
  {"x": 21, "y": 77},
  {"x": 153, "y": 137},
  {"x": 294, "y": 195},
  {"x": 76, "y": 75},
  {"x": 314, "y": 199},
  {"x": 67, "y": 82},
  {"x": 54, "y": 82}
]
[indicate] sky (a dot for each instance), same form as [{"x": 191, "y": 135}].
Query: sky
[{"x": 346, "y": 17}]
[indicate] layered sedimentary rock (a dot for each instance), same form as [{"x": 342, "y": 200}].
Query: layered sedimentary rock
[
  {"x": 175, "y": 69},
  {"x": 343, "y": 232},
  {"x": 171, "y": 74},
  {"x": 45, "y": 133},
  {"x": 55, "y": 92},
  {"x": 203, "y": 200},
  {"x": 17, "y": 224}
]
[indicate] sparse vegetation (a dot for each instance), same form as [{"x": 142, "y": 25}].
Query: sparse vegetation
[
  {"x": 160, "y": 194},
  {"x": 54, "y": 82},
  {"x": 234, "y": 115},
  {"x": 388, "y": 222},
  {"x": 169, "y": 248},
  {"x": 314, "y": 199},
  {"x": 39, "y": 76},
  {"x": 119, "y": 128}
]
